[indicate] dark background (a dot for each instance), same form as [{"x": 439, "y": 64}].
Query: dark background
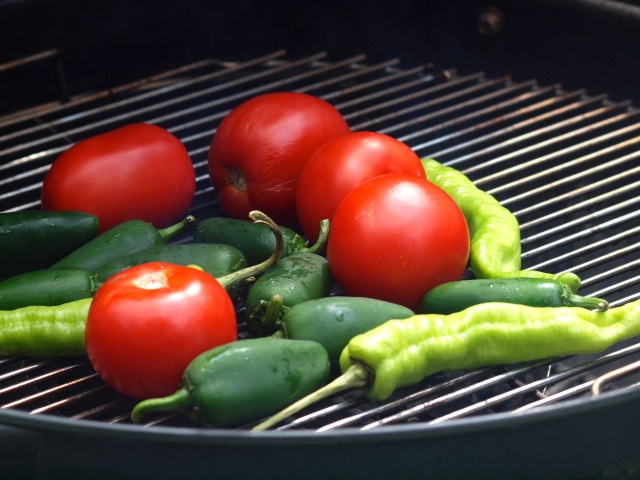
[{"x": 105, "y": 43}]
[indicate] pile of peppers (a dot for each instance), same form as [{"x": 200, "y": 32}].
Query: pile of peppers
[{"x": 304, "y": 331}]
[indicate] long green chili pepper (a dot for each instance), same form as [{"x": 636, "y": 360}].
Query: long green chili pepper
[
  {"x": 254, "y": 241},
  {"x": 44, "y": 331},
  {"x": 296, "y": 278},
  {"x": 243, "y": 381},
  {"x": 48, "y": 286},
  {"x": 214, "y": 258},
  {"x": 404, "y": 352},
  {"x": 495, "y": 231},
  {"x": 123, "y": 239},
  {"x": 34, "y": 239},
  {"x": 452, "y": 297}
]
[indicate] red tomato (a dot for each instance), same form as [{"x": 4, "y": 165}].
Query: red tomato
[
  {"x": 260, "y": 148},
  {"x": 139, "y": 171},
  {"x": 148, "y": 322},
  {"x": 342, "y": 164},
  {"x": 395, "y": 237}
]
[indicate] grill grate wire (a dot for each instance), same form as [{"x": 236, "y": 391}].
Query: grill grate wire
[{"x": 566, "y": 163}]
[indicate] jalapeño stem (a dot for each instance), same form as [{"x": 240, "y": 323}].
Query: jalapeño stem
[
  {"x": 357, "y": 375},
  {"x": 235, "y": 278}
]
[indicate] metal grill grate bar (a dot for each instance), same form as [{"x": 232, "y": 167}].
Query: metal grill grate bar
[{"x": 564, "y": 162}]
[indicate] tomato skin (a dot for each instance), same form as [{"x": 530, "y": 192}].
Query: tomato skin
[
  {"x": 139, "y": 171},
  {"x": 146, "y": 324},
  {"x": 395, "y": 237},
  {"x": 342, "y": 164},
  {"x": 260, "y": 148}
]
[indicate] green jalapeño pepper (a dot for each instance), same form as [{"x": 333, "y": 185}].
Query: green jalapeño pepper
[
  {"x": 296, "y": 278},
  {"x": 331, "y": 321},
  {"x": 400, "y": 353},
  {"x": 243, "y": 381},
  {"x": 56, "y": 285},
  {"x": 59, "y": 329},
  {"x": 254, "y": 241},
  {"x": 452, "y": 297},
  {"x": 123, "y": 239},
  {"x": 48, "y": 286},
  {"x": 214, "y": 258},
  {"x": 32, "y": 240},
  {"x": 495, "y": 231},
  {"x": 44, "y": 331}
]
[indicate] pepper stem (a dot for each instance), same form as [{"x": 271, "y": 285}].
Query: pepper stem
[
  {"x": 358, "y": 375},
  {"x": 176, "y": 401},
  {"x": 323, "y": 235},
  {"x": 235, "y": 278},
  {"x": 172, "y": 230},
  {"x": 592, "y": 303},
  {"x": 266, "y": 316}
]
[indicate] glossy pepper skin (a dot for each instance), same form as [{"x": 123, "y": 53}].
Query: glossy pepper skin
[
  {"x": 452, "y": 297},
  {"x": 404, "y": 352},
  {"x": 32, "y": 240},
  {"x": 255, "y": 241},
  {"x": 495, "y": 231},
  {"x": 296, "y": 278},
  {"x": 214, "y": 258},
  {"x": 48, "y": 286},
  {"x": 123, "y": 239},
  {"x": 44, "y": 331},
  {"x": 333, "y": 321},
  {"x": 245, "y": 380}
]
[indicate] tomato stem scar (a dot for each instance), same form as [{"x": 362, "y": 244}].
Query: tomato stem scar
[{"x": 236, "y": 179}]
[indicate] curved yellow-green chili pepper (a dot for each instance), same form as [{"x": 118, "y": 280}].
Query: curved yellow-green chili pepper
[
  {"x": 44, "y": 331},
  {"x": 404, "y": 352},
  {"x": 400, "y": 353},
  {"x": 495, "y": 231}
]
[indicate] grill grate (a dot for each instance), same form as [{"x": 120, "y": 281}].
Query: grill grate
[{"x": 566, "y": 163}]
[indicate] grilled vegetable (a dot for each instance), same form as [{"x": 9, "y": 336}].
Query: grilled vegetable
[
  {"x": 495, "y": 231},
  {"x": 332, "y": 321},
  {"x": 48, "y": 286},
  {"x": 261, "y": 146},
  {"x": 44, "y": 331},
  {"x": 56, "y": 285},
  {"x": 341, "y": 165},
  {"x": 148, "y": 322},
  {"x": 403, "y": 352},
  {"x": 214, "y": 258},
  {"x": 243, "y": 381},
  {"x": 255, "y": 241},
  {"x": 296, "y": 278},
  {"x": 136, "y": 171},
  {"x": 536, "y": 292},
  {"x": 32, "y": 240},
  {"x": 123, "y": 239},
  {"x": 395, "y": 237}
]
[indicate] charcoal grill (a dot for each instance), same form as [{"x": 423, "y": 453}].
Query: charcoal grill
[{"x": 564, "y": 160}]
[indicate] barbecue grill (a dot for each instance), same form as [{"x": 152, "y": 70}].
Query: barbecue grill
[{"x": 472, "y": 87}]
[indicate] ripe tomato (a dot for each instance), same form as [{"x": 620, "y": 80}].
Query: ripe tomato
[
  {"x": 259, "y": 150},
  {"x": 395, "y": 237},
  {"x": 148, "y": 322},
  {"x": 139, "y": 171},
  {"x": 342, "y": 164}
]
